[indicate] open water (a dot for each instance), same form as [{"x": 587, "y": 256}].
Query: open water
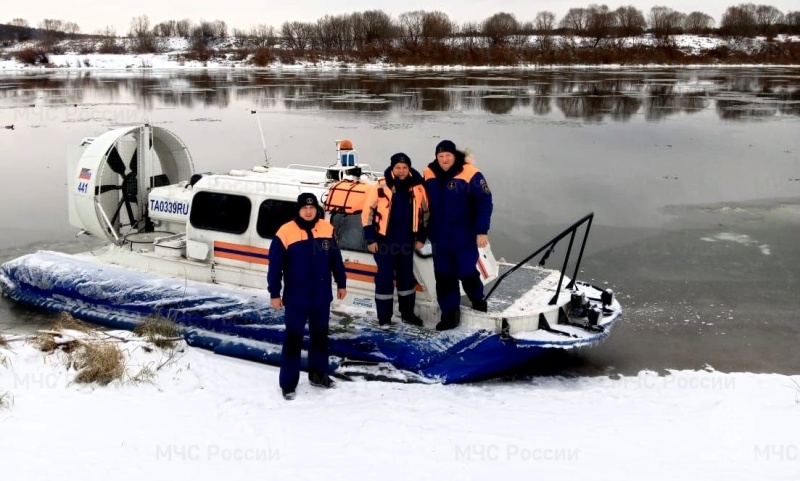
[{"x": 693, "y": 175}]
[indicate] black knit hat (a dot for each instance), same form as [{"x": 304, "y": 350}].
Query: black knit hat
[
  {"x": 306, "y": 198},
  {"x": 400, "y": 157},
  {"x": 446, "y": 146}
]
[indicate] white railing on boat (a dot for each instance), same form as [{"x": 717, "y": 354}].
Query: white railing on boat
[
  {"x": 365, "y": 168},
  {"x": 307, "y": 167}
]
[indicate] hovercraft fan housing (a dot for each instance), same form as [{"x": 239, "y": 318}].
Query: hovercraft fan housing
[{"x": 110, "y": 177}]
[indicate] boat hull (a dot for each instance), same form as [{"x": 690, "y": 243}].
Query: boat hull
[{"x": 239, "y": 322}]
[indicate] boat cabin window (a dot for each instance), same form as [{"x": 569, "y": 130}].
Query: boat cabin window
[
  {"x": 220, "y": 212},
  {"x": 349, "y": 231},
  {"x": 272, "y": 214}
]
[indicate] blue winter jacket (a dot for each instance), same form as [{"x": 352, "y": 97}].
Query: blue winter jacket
[
  {"x": 303, "y": 255},
  {"x": 460, "y": 204}
]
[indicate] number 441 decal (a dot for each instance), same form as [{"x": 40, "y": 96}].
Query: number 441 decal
[{"x": 83, "y": 187}]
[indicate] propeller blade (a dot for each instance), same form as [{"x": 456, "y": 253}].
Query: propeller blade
[{"x": 115, "y": 161}]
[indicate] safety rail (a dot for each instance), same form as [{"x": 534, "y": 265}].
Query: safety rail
[
  {"x": 549, "y": 247},
  {"x": 306, "y": 167},
  {"x": 365, "y": 168}
]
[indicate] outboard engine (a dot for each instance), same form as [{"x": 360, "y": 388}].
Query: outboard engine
[{"x": 110, "y": 178}]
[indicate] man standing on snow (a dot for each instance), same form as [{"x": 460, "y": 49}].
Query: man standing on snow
[{"x": 303, "y": 254}]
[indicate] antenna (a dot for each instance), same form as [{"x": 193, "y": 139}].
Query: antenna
[{"x": 263, "y": 144}]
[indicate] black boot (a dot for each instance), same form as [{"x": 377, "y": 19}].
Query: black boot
[
  {"x": 320, "y": 380},
  {"x": 411, "y": 318},
  {"x": 474, "y": 289},
  {"x": 480, "y": 305},
  {"x": 384, "y": 308},
  {"x": 406, "y": 304},
  {"x": 289, "y": 394},
  {"x": 449, "y": 321}
]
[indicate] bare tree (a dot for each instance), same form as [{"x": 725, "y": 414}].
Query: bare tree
[
  {"x": 297, "y": 36},
  {"x": 410, "y": 26},
  {"x": 470, "y": 34},
  {"x": 372, "y": 29},
  {"x": 263, "y": 35},
  {"x": 183, "y": 28},
  {"x": 665, "y": 22},
  {"x": 767, "y": 18},
  {"x": 108, "y": 32},
  {"x": 677, "y": 19},
  {"x": 544, "y": 22},
  {"x": 698, "y": 22},
  {"x": 630, "y": 21},
  {"x": 140, "y": 26},
  {"x": 72, "y": 28},
  {"x": 52, "y": 25},
  {"x": 575, "y": 21},
  {"x": 500, "y": 27},
  {"x": 792, "y": 20},
  {"x": 109, "y": 43},
  {"x": 220, "y": 28},
  {"x": 739, "y": 20},
  {"x": 168, "y": 28},
  {"x": 143, "y": 38},
  {"x": 50, "y": 31},
  {"x": 334, "y": 33},
  {"x": 159, "y": 28},
  {"x": 24, "y": 31},
  {"x": 436, "y": 27},
  {"x": 525, "y": 28},
  {"x": 200, "y": 40},
  {"x": 204, "y": 32},
  {"x": 600, "y": 22}
]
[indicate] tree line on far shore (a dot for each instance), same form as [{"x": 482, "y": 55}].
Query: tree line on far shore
[{"x": 593, "y": 34}]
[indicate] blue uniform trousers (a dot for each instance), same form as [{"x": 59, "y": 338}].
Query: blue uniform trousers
[
  {"x": 395, "y": 262},
  {"x": 451, "y": 265},
  {"x": 295, "y": 319}
]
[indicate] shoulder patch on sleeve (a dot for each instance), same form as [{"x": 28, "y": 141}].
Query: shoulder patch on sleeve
[{"x": 485, "y": 186}]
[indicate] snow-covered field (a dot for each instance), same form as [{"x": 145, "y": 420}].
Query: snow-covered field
[
  {"x": 208, "y": 417},
  {"x": 174, "y": 48}
]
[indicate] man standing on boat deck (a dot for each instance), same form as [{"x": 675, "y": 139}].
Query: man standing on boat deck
[
  {"x": 303, "y": 254},
  {"x": 394, "y": 218},
  {"x": 461, "y": 210}
]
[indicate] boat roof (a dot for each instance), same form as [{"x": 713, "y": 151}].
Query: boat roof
[{"x": 275, "y": 182}]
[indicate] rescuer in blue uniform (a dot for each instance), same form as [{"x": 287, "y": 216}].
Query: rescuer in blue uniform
[
  {"x": 394, "y": 218},
  {"x": 461, "y": 209},
  {"x": 303, "y": 254}
]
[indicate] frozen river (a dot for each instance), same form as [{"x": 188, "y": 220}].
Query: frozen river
[{"x": 694, "y": 177}]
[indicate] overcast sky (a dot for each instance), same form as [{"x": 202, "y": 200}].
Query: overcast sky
[{"x": 93, "y": 15}]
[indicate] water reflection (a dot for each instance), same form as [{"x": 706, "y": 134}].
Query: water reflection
[
  {"x": 590, "y": 96},
  {"x": 665, "y": 100}
]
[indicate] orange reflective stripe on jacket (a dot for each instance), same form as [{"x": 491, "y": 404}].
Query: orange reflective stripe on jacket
[
  {"x": 377, "y": 207},
  {"x": 290, "y": 232},
  {"x": 467, "y": 172}
]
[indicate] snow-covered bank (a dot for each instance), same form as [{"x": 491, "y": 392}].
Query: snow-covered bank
[
  {"x": 174, "y": 56},
  {"x": 206, "y": 417}
]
